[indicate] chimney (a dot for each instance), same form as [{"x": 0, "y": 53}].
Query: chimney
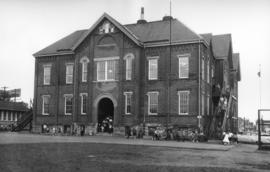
[
  {"x": 142, "y": 13},
  {"x": 142, "y": 21},
  {"x": 167, "y": 18}
]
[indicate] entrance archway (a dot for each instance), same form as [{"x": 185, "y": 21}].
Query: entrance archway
[{"x": 105, "y": 115}]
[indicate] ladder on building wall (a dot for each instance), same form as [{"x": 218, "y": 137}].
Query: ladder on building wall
[
  {"x": 227, "y": 113},
  {"x": 24, "y": 121}
]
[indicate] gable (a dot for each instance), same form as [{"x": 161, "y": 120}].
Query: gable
[{"x": 98, "y": 26}]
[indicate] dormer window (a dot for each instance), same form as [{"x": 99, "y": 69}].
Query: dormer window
[{"x": 106, "y": 28}]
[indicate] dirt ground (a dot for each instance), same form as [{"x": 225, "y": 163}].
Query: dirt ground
[{"x": 69, "y": 157}]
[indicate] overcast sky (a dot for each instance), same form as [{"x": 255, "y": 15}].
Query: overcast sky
[{"x": 26, "y": 26}]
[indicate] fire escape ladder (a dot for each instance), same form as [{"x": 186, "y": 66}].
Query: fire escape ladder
[
  {"x": 226, "y": 114},
  {"x": 24, "y": 121}
]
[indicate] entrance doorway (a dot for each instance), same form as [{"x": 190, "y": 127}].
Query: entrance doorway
[{"x": 105, "y": 115}]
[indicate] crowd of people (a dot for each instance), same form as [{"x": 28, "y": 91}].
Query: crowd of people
[{"x": 106, "y": 125}]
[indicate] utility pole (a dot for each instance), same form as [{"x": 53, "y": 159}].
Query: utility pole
[{"x": 5, "y": 93}]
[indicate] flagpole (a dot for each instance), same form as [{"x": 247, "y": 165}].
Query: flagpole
[{"x": 169, "y": 72}]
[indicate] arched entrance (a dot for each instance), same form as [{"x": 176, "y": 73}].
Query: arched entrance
[{"x": 105, "y": 115}]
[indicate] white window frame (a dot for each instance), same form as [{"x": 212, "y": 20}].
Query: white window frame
[
  {"x": 68, "y": 96},
  {"x": 208, "y": 71},
  {"x": 126, "y": 94},
  {"x": 43, "y": 104},
  {"x": 203, "y": 74},
  {"x": 203, "y": 103},
  {"x": 129, "y": 62},
  {"x": 148, "y": 94},
  {"x": 106, "y": 60},
  {"x": 69, "y": 75},
  {"x": 213, "y": 71},
  {"x": 82, "y": 102},
  {"x": 179, "y": 101},
  {"x": 84, "y": 61},
  {"x": 47, "y": 66},
  {"x": 181, "y": 57},
  {"x": 154, "y": 58}
]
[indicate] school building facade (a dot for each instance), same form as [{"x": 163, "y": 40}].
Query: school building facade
[{"x": 158, "y": 73}]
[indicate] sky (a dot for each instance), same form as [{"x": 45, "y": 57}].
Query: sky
[{"x": 27, "y": 26}]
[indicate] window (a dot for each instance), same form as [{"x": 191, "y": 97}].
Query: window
[
  {"x": 47, "y": 74},
  {"x": 6, "y": 116},
  {"x": 84, "y": 72},
  {"x": 45, "y": 104},
  {"x": 84, "y": 61},
  {"x": 208, "y": 71},
  {"x": 83, "y": 103},
  {"x": 2, "y": 115},
  {"x": 152, "y": 69},
  {"x": 213, "y": 71},
  {"x": 202, "y": 68},
  {"x": 9, "y": 116},
  {"x": 69, "y": 73},
  {"x": 128, "y": 58},
  {"x": 183, "y": 102},
  {"x": 183, "y": 67},
  {"x": 68, "y": 104},
  {"x": 153, "y": 103},
  {"x": 107, "y": 69},
  {"x": 202, "y": 103},
  {"x": 128, "y": 97},
  {"x": 106, "y": 28}
]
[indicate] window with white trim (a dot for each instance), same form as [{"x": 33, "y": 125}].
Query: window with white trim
[
  {"x": 129, "y": 58},
  {"x": 128, "y": 98},
  {"x": 47, "y": 74},
  {"x": 84, "y": 61},
  {"x": 213, "y": 71},
  {"x": 45, "y": 104},
  {"x": 202, "y": 104},
  {"x": 69, "y": 73},
  {"x": 183, "y": 102},
  {"x": 107, "y": 69},
  {"x": 152, "y": 68},
  {"x": 84, "y": 103},
  {"x": 68, "y": 104},
  {"x": 153, "y": 103},
  {"x": 183, "y": 66},
  {"x": 208, "y": 71},
  {"x": 202, "y": 69}
]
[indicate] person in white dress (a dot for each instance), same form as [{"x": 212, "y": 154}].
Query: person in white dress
[{"x": 226, "y": 138}]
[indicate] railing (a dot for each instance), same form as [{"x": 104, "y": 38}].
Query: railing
[{"x": 23, "y": 121}]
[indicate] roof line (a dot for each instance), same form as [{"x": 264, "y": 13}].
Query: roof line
[
  {"x": 54, "y": 54},
  {"x": 175, "y": 43}
]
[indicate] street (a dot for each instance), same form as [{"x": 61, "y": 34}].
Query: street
[{"x": 28, "y": 152}]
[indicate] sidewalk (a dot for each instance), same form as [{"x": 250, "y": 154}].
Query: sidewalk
[{"x": 15, "y": 138}]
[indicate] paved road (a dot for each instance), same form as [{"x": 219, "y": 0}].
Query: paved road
[{"x": 11, "y": 137}]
